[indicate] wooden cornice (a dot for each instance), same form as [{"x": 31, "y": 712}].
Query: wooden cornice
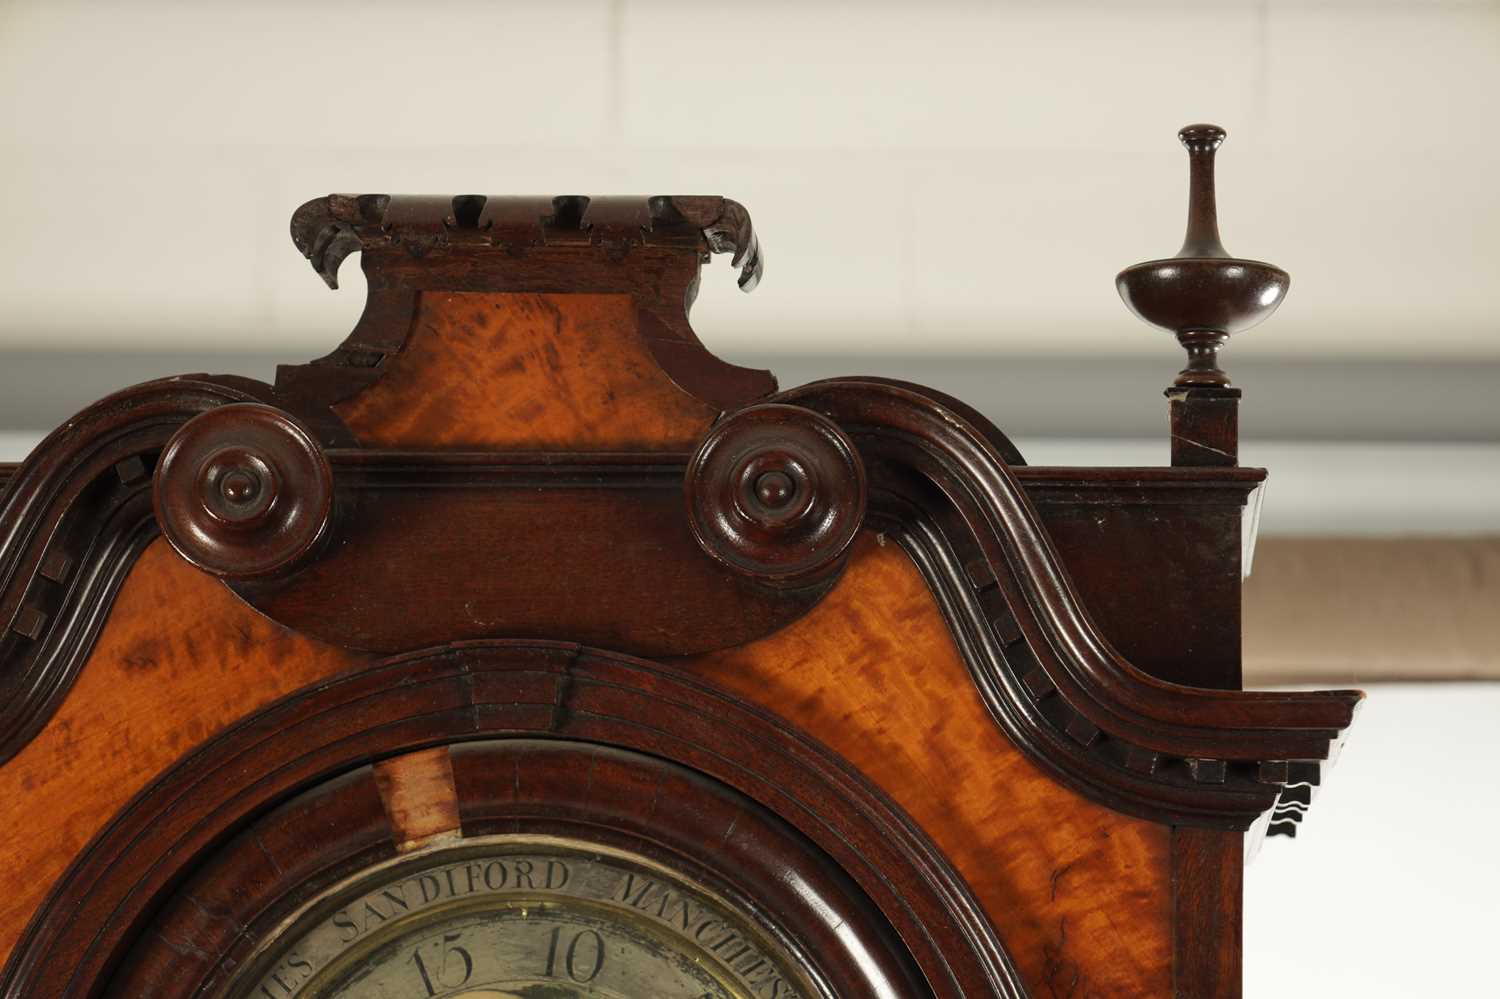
[
  {"x": 776, "y": 488},
  {"x": 328, "y": 229}
]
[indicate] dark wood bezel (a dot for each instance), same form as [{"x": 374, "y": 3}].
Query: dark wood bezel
[{"x": 240, "y": 892}]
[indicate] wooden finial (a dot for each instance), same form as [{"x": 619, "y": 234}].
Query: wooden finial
[
  {"x": 1202, "y": 294},
  {"x": 1202, "y": 240}
]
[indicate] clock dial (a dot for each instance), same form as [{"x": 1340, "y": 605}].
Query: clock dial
[{"x": 524, "y": 918}]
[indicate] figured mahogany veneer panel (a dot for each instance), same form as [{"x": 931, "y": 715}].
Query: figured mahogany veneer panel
[
  {"x": 180, "y": 658},
  {"x": 525, "y": 372},
  {"x": 1076, "y": 891}
]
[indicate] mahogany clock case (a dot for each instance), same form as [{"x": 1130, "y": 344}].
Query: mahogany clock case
[{"x": 947, "y": 724}]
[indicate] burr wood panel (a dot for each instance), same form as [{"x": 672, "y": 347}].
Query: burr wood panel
[
  {"x": 483, "y": 371},
  {"x": 146, "y": 695},
  {"x": 1073, "y": 888}
]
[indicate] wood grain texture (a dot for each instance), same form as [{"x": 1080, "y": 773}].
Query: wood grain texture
[
  {"x": 426, "y": 552},
  {"x": 1075, "y": 890},
  {"x": 551, "y": 690},
  {"x": 1188, "y": 533},
  {"x": 924, "y": 445},
  {"x": 73, "y": 518},
  {"x": 146, "y": 695},
  {"x": 419, "y": 797},
  {"x": 251, "y": 883},
  {"x": 1208, "y": 871},
  {"x": 526, "y": 372}
]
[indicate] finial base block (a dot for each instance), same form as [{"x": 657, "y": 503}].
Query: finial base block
[{"x": 1205, "y": 425}]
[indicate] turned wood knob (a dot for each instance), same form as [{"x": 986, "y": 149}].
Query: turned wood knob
[
  {"x": 243, "y": 491},
  {"x": 776, "y": 492},
  {"x": 1202, "y": 294}
]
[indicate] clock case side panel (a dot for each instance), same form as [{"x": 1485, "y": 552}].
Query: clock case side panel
[
  {"x": 1172, "y": 541},
  {"x": 1077, "y": 890}
]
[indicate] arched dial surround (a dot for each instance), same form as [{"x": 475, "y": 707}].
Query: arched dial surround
[
  {"x": 201, "y": 876},
  {"x": 571, "y": 869}
]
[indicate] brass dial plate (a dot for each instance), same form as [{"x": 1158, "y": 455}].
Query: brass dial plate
[{"x": 520, "y": 917}]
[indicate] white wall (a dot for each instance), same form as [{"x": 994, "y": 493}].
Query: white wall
[
  {"x": 1388, "y": 891},
  {"x": 967, "y": 176}
]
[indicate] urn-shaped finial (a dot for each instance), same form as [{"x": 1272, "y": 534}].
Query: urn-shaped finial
[{"x": 1202, "y": 294}]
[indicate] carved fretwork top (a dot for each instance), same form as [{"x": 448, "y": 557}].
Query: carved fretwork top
[
  {"x": 459, "y": 355},
  {"x": 328, "y": 229}
]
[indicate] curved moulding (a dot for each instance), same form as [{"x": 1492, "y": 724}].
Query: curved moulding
[
  {"x": 942, "y": 486},
  {"x": 73, "y": 518}
]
